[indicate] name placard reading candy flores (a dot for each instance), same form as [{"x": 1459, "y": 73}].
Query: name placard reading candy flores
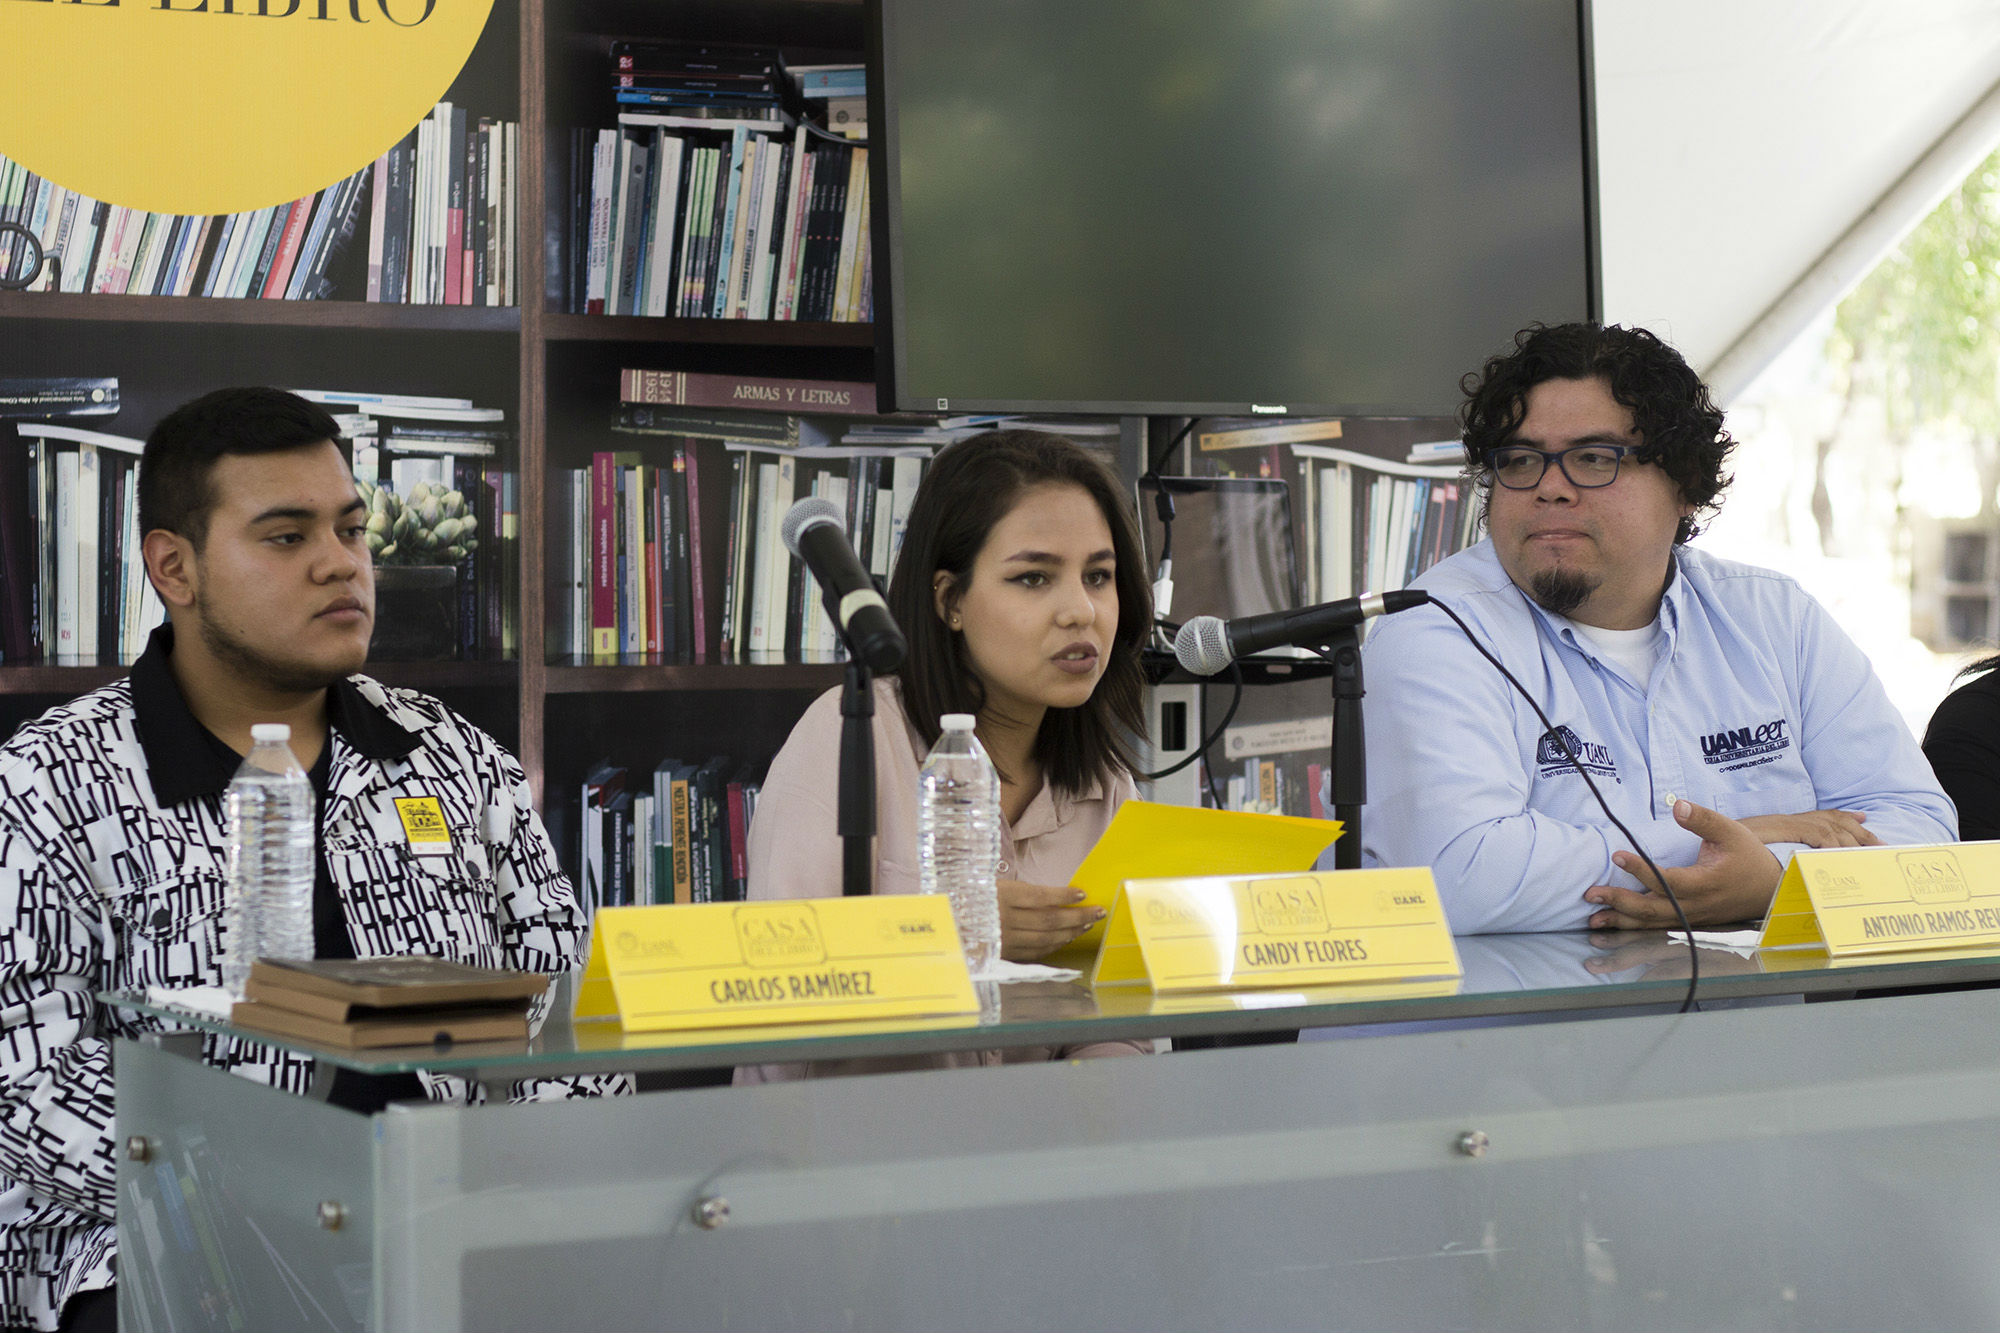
[{"x": 1238, "y": 932}]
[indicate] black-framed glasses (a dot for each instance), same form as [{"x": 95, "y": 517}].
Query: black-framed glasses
[{"x": 1519, "y": 467}]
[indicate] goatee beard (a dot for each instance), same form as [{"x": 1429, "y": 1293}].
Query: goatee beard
[{"x": 1561, "y": 591}]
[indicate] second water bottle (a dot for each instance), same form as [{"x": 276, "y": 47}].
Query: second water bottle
[{"x": 958, "y": 836}]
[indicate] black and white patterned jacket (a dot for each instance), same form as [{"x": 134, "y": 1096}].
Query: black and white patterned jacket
[{"x": 111, "y": 877}]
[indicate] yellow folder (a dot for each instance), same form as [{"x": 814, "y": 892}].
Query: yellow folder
[{"x": 1151, "y": 841}]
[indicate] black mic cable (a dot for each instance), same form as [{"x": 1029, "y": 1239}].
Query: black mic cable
[{"x": 1550, "y": 732}]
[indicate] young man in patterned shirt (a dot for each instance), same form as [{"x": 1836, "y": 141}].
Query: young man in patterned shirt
[{"x": 111, "y": 826}]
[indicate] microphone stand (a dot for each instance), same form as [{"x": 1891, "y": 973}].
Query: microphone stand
[
  {"x": 1349, "y": 758},
  {"x": 855, "y": 811}
]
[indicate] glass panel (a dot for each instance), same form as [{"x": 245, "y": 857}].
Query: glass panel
[{"x": 1504, "y": 974}]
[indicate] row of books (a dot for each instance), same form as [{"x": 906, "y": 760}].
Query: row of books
[
  {"x": 633, "y": 554},
  {"x": 288, "y": 251},
  {"x": 439, "y": 210},
  {"x": 72, "y": 580},
  {"x": 1373, "y": 525},
  {"x": 1271, "y": 785},
  {"x": 681, "y": 839},
  {"x": 698, "y": 76},
  {"x": 444, "y": 213},
  {"x": 689, "y": 218},
  {"x": 447, "y": 445},
  {"x": 710, "y": 79}
]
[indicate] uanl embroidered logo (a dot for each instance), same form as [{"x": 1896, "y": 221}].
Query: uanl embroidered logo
[
  {"x": 1595, "y": 759},
  {"x": 221, "y": 106},
  {"x": 1745, "y": 747}
]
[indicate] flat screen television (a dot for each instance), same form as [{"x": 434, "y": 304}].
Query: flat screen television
[{"x": 1202, "y": 207}]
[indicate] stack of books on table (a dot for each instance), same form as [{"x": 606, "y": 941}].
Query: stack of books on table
[{"x": 397, "y": 1001}]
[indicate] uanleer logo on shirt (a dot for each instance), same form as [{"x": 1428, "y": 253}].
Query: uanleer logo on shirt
[
  {"x": 1594, "y": 758},
  {"x": 1745, "y": 747}
]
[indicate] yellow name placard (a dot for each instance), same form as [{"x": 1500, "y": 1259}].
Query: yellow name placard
[
  {"x": 1240, "y": 932},
  {"x": 710, "y": 965},
  {"x": 1865, "y": 900}
]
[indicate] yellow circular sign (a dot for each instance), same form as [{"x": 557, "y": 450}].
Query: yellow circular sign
[{"x": 218, "y": 106}]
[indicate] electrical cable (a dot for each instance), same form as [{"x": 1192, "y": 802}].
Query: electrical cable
[
  {"x": 1201, "y": 751},
  {"x": 1550, "y": 732}
]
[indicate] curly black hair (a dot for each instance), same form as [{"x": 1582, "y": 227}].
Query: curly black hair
[{"x": 1680, "y": 427}]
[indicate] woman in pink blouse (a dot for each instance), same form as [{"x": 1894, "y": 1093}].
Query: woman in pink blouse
[{"x": 1020, "y": 590}]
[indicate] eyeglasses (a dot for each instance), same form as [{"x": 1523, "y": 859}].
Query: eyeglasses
[{"x": 1519, "y": 468}]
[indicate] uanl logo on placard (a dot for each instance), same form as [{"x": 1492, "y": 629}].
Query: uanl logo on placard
[
  {"x": 632, "y": 945},
  {"x": 1833, "y": 889},
  {"x": 1933, "y": 877},
  {"x": 780, "y": 935},
  {"x": 1288, "y": 907},
  {"x": 1402, "y": 900},
  {"x": 1170, "y": 914}
]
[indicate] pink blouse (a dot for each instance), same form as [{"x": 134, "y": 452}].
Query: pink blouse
[{"x": 795, "y": 850}]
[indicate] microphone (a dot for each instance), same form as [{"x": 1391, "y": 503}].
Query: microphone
[
  {"x": 1207, "y": 644},
  {"x": 813, "y": 532}
]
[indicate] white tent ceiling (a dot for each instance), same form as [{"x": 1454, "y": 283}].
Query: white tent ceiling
[{"x": 1756, "y": 157}]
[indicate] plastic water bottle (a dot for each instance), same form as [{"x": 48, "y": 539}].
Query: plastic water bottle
[
  {"x": 267, "y": 912},
  {"x": 958, "y": 836}
]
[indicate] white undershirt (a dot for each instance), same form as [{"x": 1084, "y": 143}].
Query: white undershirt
[{"x": 1633, "y": 650}]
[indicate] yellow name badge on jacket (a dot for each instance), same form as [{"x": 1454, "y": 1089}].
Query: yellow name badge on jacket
[
  {"x": 707, "y": 965},
  {"x": 1862, "y": 900},
  {"x": 424, "y": 828},
  {"x": 1229, "y": 933}
]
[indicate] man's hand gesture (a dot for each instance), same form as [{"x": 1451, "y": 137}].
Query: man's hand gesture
[{"x": 1732, "y": 879}]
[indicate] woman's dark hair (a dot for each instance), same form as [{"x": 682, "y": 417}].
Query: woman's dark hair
[
  {"x": 182, "y": 451},
  {"x": 1680, "y": 427},
  {"x": 970, "y": 487}
]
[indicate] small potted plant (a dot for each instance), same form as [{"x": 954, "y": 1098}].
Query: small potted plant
[{"x": 418, "y": 542}]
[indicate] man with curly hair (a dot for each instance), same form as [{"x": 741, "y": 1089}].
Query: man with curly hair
[{"x": 1723, "y": 715}]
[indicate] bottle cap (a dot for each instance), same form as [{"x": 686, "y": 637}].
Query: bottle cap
[
  {"x": 958, "y": 721},
  {"x": 270, "y": 731}
]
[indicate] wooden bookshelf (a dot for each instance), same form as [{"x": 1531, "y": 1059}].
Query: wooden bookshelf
[
  {"x": 283, "y": 314},
  {"x": 705, "y": 332},
  {"x": 544, "y": 63}
]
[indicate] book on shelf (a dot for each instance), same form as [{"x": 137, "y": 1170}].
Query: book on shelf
[
  {"x": 727, "y": 218},
  {"x": 438, "y": 209},
  {"x": 286, "y": 250},
  {"x": 32, "y": 396},
  {"x": 1217, "y": 433},
  {"x": 74, "y": 576},
  {"x": 783, "y": 430},
  {"x": 1436, "y": 452},
  {"x": 1375, "y": 524},
  {"x": 677, "y": 835},
  {"x": 635, "y": 572},
  {"x": 684, "y": 388}
]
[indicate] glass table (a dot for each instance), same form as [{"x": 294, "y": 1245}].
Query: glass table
[
  {"x": 1782, "y": 1165},
  {"x": 1503, "y": 975}
]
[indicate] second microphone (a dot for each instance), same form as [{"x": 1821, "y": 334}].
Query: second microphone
[{"x": 813, "y": 532}]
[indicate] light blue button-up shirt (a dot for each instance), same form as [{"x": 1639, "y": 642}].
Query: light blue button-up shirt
[{"x": 1758, "y": 704}]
